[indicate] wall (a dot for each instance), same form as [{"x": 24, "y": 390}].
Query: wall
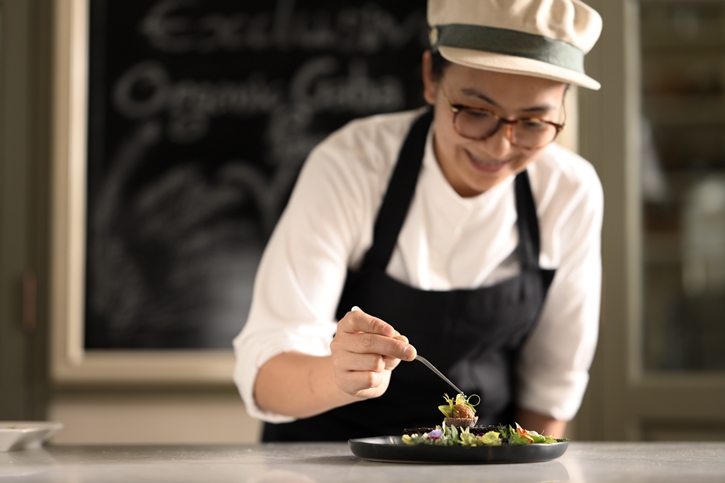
[
  {"x": 24, "y": 155},
  {"x": 143, "y": 416}
]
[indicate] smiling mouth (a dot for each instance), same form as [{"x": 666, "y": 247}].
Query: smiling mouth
[{"x": 487, "y": 163}]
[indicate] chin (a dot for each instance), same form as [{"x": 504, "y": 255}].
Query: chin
[{"x": 488, "y": 181}]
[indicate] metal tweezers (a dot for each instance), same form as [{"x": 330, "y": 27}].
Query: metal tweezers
[{"x": 440, "y": 374}]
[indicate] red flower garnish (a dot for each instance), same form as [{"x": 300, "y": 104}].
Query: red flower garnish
[{"x": 525, "y": 434}]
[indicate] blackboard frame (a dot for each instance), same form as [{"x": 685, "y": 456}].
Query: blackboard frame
[{"x": 70, "y": 362}]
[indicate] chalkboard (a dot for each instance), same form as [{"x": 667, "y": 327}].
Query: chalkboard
[{"x": 201, "y": 113}]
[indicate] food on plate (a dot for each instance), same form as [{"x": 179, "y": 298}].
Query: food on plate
[
  {"x": 460, "y": 412},
  {"x": 500, "y": 435},
  {"x": 458, "y": 429}
]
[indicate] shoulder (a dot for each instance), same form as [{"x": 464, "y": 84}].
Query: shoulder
[
  {"x": 358, "y": 158},
  {"x": 345, "y": 176},
  {"x": 557, "y": 162},
  {"x": 562, "y": 174},
  {"x": 570, "y": 207},
  {"x": 372, "y": 141}
]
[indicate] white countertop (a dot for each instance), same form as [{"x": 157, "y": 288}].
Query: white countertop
[{"x": 333, "y": 462}]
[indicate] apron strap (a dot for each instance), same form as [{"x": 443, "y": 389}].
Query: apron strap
[
  {"x": 399, "y": 194},
  {"x": 401, "y": 189},
  {"x": 527, "y": 222}
]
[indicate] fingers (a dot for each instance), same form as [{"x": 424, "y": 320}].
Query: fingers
[
  {"x": 371, "y": 335},
  {"x": 362, "y": 362},
  {"x": 359, "y": 321},
  {"x": 364, "y": 351},
  {"x": 362, "y": 375},
  {"x": 364, "y": 384},
  {"x": 384, "y": 346},
  {"x": 392, "y": 362}
]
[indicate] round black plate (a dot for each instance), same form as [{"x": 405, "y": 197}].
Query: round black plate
[{"x": 391, "y": 449}]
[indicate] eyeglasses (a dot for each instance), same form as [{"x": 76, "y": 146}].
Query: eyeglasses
[{"x": 480, "y": 124}]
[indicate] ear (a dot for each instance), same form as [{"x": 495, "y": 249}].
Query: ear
[{"x": 430, "y": 84}]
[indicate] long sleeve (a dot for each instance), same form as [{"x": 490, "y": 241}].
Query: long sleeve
[
  {"x": 326, "y": 227},
  {"x": 555, "y": 360}
]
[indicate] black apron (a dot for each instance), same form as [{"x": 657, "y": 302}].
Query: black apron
[{"x": 471, "y": 335}]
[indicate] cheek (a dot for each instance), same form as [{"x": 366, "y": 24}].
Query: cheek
[
  {"x": 443, "y": 134},
  {"x": 447, "y": 138}
]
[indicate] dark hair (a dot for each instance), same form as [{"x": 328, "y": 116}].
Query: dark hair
[{"x": 438, "y": 65}]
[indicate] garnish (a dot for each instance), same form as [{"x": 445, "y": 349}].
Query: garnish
[
  {"x": 445, "y": 435},
  {"x": 458, "y": 429},
  {"x": 460, "y": 407},
  {"x": 520, "y": 436}
]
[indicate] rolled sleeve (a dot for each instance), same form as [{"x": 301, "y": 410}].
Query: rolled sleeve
[
  {"x": 297, "y": 285},
  {"x": 255, "y": 347},
  {"x": 326, "y": 226}
]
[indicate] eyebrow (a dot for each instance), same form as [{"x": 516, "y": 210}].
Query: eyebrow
[{"x": 474, "y": 93}]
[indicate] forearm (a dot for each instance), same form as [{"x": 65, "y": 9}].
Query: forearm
[
  {"x": 298, "y": 385},
  {"x": 542, "y": 424},
  {"x": 365, "y": 350}
]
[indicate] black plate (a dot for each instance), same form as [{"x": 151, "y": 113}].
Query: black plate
[{"x": 391, "y": 449}]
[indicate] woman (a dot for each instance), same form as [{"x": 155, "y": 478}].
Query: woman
[{"x": 461, "y": 232}]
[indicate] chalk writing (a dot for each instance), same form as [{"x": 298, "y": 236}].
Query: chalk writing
[
  {"x": 146, "y": 90},
  {"x": 179, "y": 26},
  {"x": 201, "y": 114}
]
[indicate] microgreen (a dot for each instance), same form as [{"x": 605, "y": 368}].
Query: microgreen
[{"x": 460, "y": 399}]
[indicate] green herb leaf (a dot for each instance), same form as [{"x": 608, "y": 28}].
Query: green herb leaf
[{"x": 492, "y": 438}]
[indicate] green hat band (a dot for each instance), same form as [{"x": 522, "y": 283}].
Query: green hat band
[{"x": 508, "y": 42}]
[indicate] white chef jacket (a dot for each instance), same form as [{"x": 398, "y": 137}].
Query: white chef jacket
[{"x": 447, "y": 242}]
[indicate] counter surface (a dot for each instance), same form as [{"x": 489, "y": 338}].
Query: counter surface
[{"x": 333, "y": 462}]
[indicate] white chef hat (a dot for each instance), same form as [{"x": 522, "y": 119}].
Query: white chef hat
[{"x": 541, "y": 38}]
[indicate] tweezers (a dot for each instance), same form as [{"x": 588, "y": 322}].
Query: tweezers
[{"x": 439, "y": 373}]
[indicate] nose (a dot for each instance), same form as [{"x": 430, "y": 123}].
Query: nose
[{"x": 498, "y": 145}]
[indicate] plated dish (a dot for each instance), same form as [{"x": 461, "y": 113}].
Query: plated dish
[
  {"x": 459, "y": 440},
  {"x": 391, "y": 449},
  {"x": 16, "y": 435}
]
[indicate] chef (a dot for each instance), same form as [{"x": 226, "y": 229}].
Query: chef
[{"x": 462, "y": 233}]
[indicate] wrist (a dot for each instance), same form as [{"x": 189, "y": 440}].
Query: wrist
[{"x": 298, "y": 385}]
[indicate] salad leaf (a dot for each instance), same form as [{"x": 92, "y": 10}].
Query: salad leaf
[
  {"x": 455, "y": 405},
  {"x": 449, "y": 435},
  {"x": 518, "y": 439},
  {"x": 445, "y": 435},
  {"x": 492, "y": 438}
]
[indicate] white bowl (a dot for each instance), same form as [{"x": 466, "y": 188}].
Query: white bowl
[{"x": 15, "y": 435}]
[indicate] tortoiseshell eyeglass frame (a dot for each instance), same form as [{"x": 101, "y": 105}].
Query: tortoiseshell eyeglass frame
[{"x": 458, "y": 108}]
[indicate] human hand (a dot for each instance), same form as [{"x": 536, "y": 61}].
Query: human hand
[{"x": 364, "y": 352}]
